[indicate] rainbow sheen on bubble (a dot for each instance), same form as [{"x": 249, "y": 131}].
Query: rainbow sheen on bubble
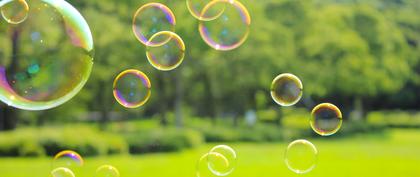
[
  {"x": 230, "y": 30},
  {"x": 326, "y": 119},
  {"x": 195, "y": 7},
  {"x": 62, "y": 172},
  {"x": 166, "y": 56},
  {"x": 132, "y": 88},
  {"x": 107, "y": 171},
  {"x": 150, "y": 19},
  {"x": 222, "y": 160},
  {"x": 46, "y": 59},
  {"x": 301, "y": 156},
  {"x": 286, "y": 89},
  {"x": 68, "y": 159},
  {"x": 14, "y": 11}
]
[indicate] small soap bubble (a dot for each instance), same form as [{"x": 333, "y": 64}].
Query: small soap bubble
[{"x": 301, "y": 156}]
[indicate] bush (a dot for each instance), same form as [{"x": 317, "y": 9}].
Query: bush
[
  {"x": 162, "y": 140},
  {"x": 400, "y": 119},
  {"x": 49, "y": 141}
]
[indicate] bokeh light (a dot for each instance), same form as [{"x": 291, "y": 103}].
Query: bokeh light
[
  {"x": 230, "y": 30},
  {"x": 150, "y": 19},
  {"x": 47, "y": 58},
  {"x": 14, "y": 11},
  {"x": 62, "y": 172},
  {"x": 222, "y": 160},
  {"x": 168, "y": 55},
  {"x": 301, "y": 156},
  {"x": 67, "y": 159},
  {"x": 286, "y": 89},
  {"x": 326, "y": 119},
  {"x": 195, "y": 7},
  {"x": 132, "y": 88},
  {"x": 107, "y": 171}
]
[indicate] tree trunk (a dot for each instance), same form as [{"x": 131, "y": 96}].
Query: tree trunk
[
  {"x": 358, "y": 112},
  {"x": 178, "y": 98},
  {"x": 162, "y": 102},
  {"x": 103, "y": 105},
  {"x": 8, "y": 115}
]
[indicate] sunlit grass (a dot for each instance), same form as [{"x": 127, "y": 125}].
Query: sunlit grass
[{"x": 397, "y": 154}]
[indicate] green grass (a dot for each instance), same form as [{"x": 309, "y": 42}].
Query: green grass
[{"x": 394, "y": 154}]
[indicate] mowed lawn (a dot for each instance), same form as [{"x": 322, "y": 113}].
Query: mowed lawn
[{"x": 391, "y": 155}]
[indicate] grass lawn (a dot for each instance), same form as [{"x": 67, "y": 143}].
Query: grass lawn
[{"x": 391, "y": 155}]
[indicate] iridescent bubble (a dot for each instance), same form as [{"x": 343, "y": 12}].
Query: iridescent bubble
[
  {"x": 132, "y": 88},
  {"x": 47, "y": 59},
  {"x": 326, "y": 119},
  {"x": 196, "y": 6},
  {"x": 301, "y": 156},
  {"x": 286, "y": 89},
  {"x": 150, "y": 19},
  {"x": 14, "y": 11},
  {"x": 230, "y": 29},
  {"x": 168, "y": 55},
  {"x": 107, "y": 171},
  {"x": 67, "y": 159},
  {"x": 62, "y": 172},
  {"x": 222, "y": 160}
]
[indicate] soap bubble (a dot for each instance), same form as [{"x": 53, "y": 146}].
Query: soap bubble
[
  {"x": 301, "y": 156},
  {"x": 168, "y": 55},
  {"x": 46, "y": 59},
  {"x": 222, "y": 160},
  {"x": 67, "y": 159},
  {"x": 230, "y": 29},
  {"x": 326, "y": 119},
  {"x": 132, "y": 88},
  {"x": 107, "y": 171},
  {"x": 62, "y": 172},
  {"x": 14, "y": 11},
  {"x": 150, "y": 19},
  {"x": 286, "y": 89},
  {"x": 195, "y": 7}
]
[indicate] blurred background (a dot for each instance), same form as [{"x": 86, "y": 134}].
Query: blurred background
[{"x": 361, "y": 55}]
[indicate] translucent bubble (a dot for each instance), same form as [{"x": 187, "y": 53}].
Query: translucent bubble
[
  {"x": 203, "y": 164},
  {"x": 196, "y": 6},
  {"x": 150, "y": 19},
  {"x": 301, "y": 156},
  {"x": 47, "y": 59},
  {"x": 221, "y": 160},
  {"x": 62, "y": 172},
  {"x": 68, "y": 159},
  {"x": 326, "y": 119},
  {"x": 286, "y": 89},
  {"x": 230, "y": 29},
  {"x": 132, "y": 88},
  {"x": 107, "y": 171},
  {"x": 166, "y": 56},
  {"x": 14, "y": 11}
]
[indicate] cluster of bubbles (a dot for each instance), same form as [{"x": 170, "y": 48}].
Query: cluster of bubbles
[
  {"x": 34, "y": 73},
  {"x": 154, "y": 27},
  {"x": 67, "y": 163},
  {"x": 224, "y": 24},
  {"x": 219, "y": 161},
  {"x": 326, "y": 119}
]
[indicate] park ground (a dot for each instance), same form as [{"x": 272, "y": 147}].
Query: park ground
[{"x": 396, "y": 153}]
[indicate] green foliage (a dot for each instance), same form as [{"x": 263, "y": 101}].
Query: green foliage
[
  {"x": 162, "y": 140},
  {"x": 51, "y": 140},
  {"x": 394, "y": 118}
]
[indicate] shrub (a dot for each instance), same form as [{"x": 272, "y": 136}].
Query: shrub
[
  {"x": 162, "y": 140},
  {"x": 48, "y": 141}
]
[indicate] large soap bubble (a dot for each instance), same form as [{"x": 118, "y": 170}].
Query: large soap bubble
[{"x": 45, "y": 59}]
